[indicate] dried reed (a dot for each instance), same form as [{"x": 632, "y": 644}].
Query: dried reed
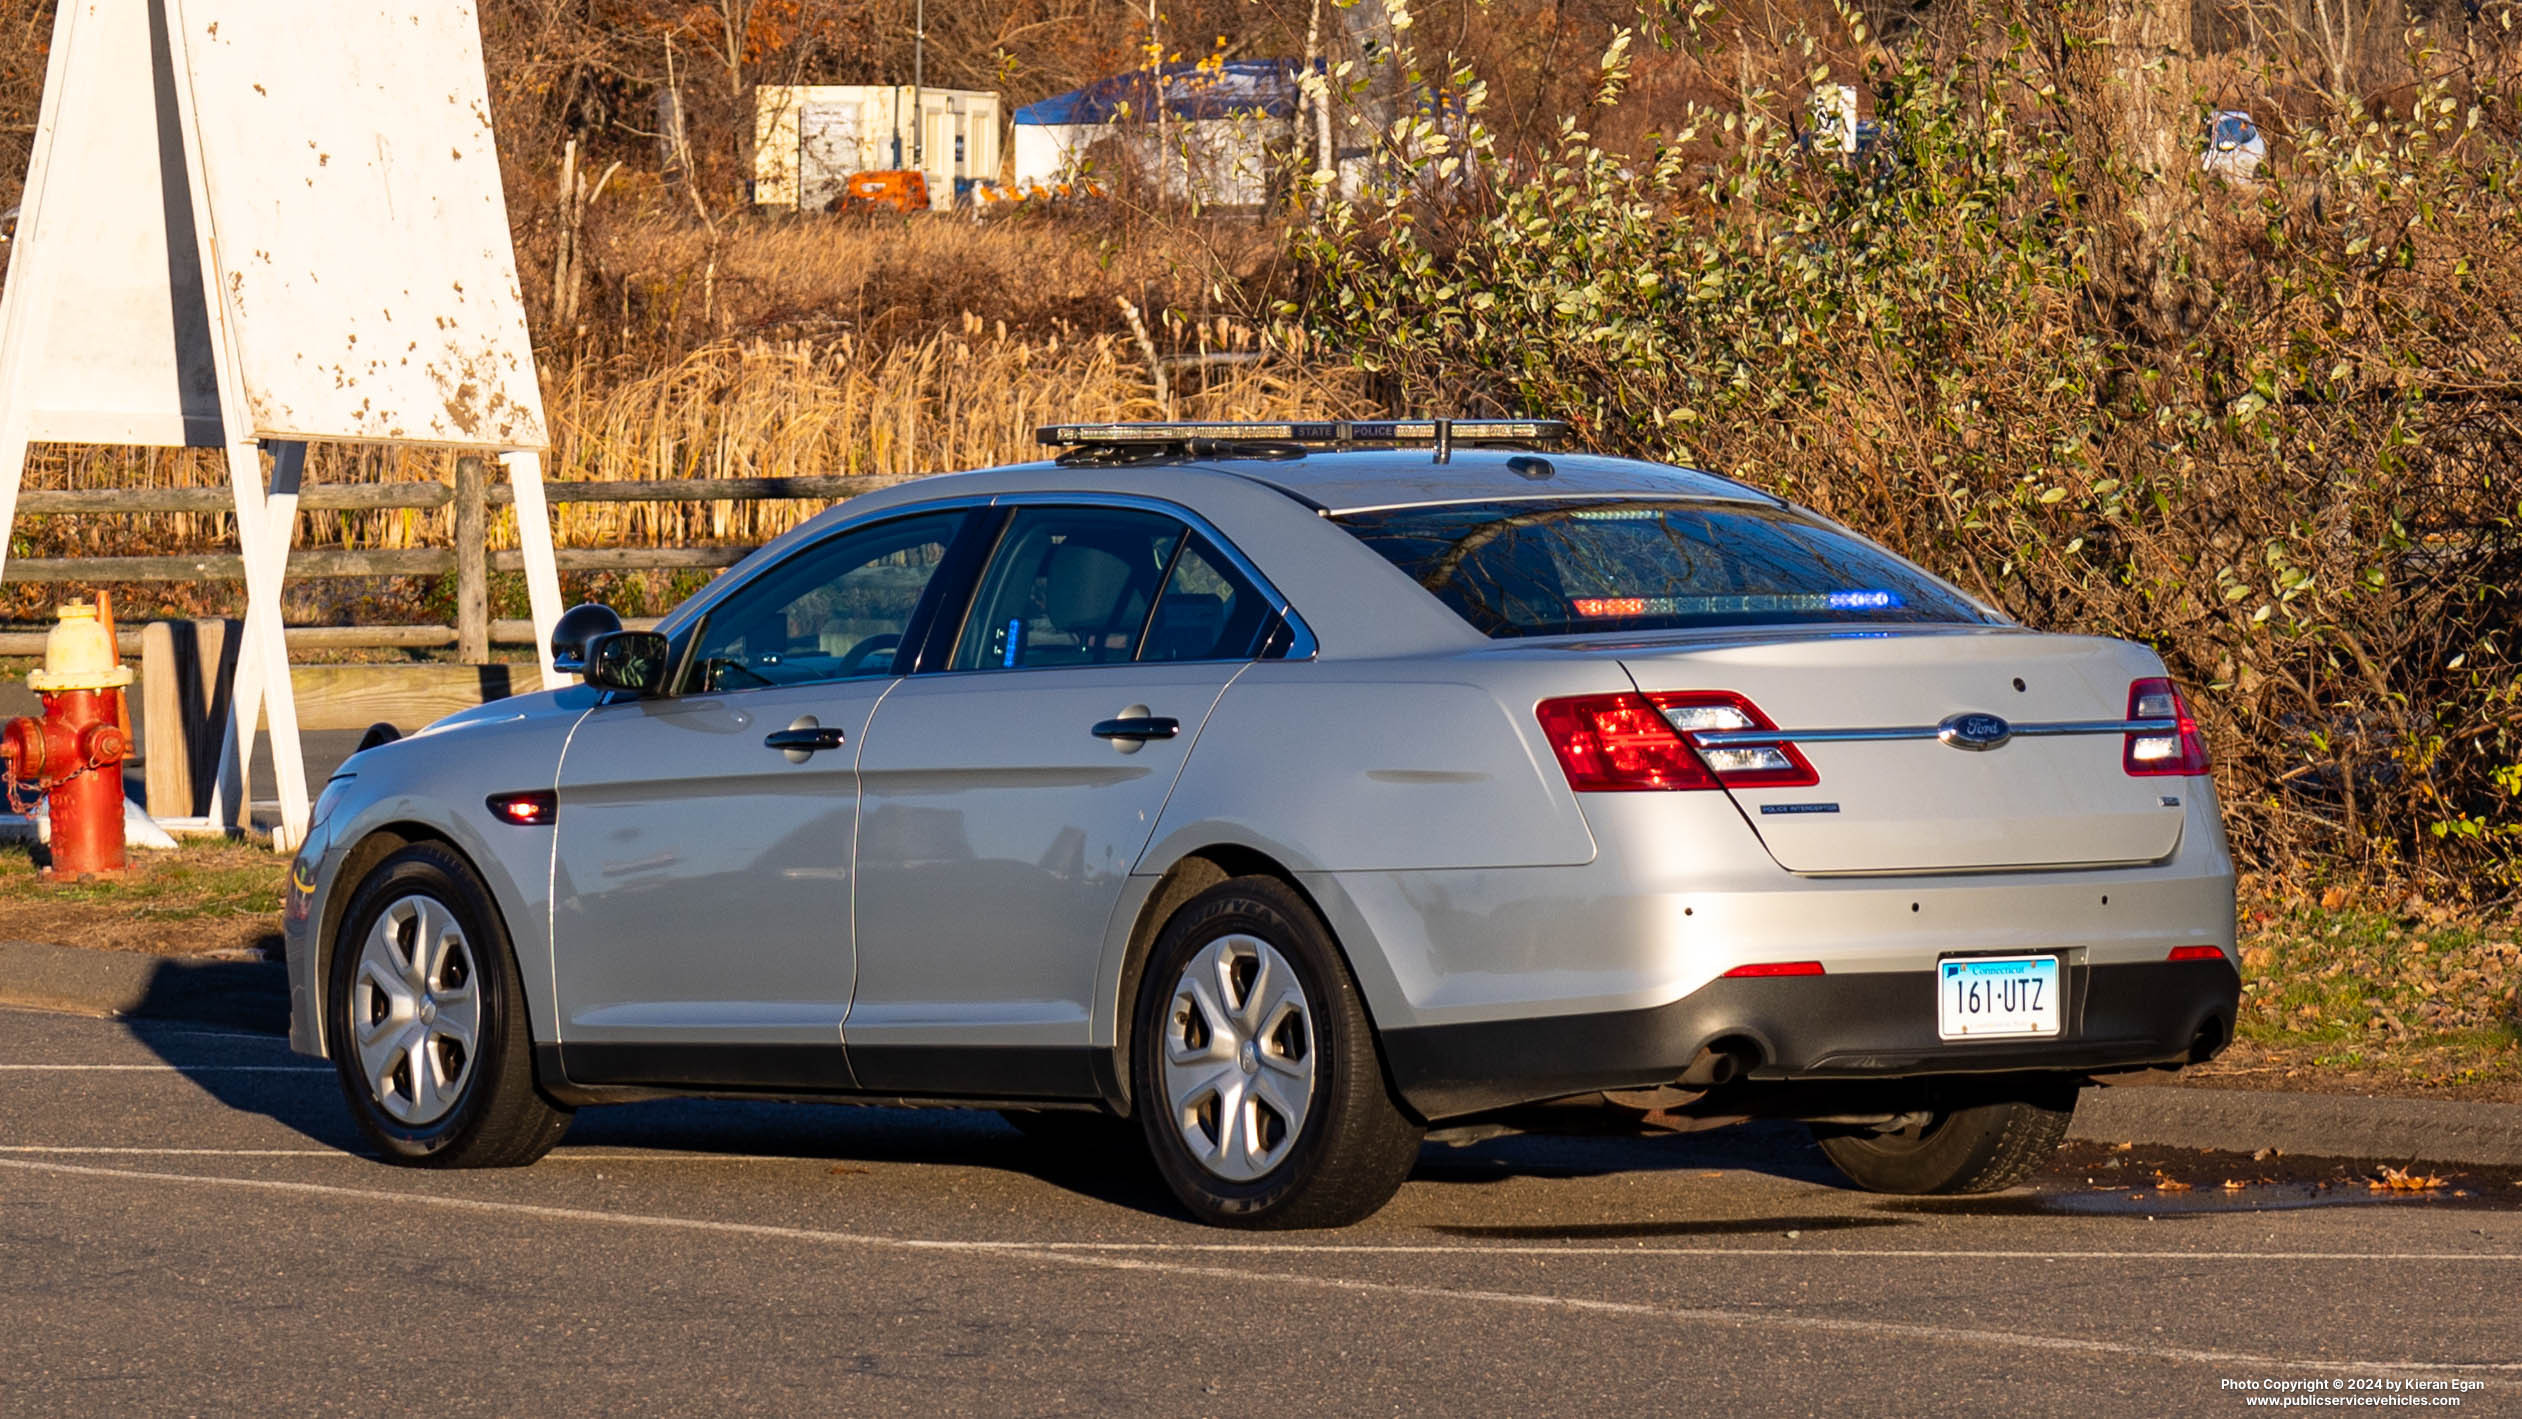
[{"x": 753, "y": 409}]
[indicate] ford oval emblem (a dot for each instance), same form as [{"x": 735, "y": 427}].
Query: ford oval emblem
[{"x": 1975, "y": 730}]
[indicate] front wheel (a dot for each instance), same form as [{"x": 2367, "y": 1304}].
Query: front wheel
[
  {"x": 1977, "y": 1140},
  {"x": 426, "y": 1020},
  {"x": 1258, "y": 1081}
]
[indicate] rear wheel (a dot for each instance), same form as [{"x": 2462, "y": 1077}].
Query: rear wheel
[
  {"x": 1969, "y": 1140},
  {"x": 1259, "y": 1084}
]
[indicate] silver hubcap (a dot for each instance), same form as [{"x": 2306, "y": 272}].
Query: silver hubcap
[
  {"x": 1239, "y": 1057},
  {"x": 414, "y": 1009}
]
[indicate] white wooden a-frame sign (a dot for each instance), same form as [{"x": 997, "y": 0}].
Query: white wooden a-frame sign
[{"x": 253, "y": 223}]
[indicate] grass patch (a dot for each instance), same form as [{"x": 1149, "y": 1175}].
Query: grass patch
[
  {"x": 2417, "y": 993},
  {"x": 208, "y": 897}
]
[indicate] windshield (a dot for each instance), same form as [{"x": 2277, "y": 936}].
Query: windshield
[{"x": 1561, "y": 567}]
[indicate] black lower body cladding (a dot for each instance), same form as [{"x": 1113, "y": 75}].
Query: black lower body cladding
[{"x": 1874, "y": 1025}]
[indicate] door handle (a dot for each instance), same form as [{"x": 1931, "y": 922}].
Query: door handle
[
  {"x": 801, "y": 740},
  {"x": 1137, "y": 728}
]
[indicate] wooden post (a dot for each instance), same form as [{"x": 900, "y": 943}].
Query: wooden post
[
  {"x": 166, "y": 718},
  {"x": 186, "y": 668},
  {"x": 472, "y": 563}
]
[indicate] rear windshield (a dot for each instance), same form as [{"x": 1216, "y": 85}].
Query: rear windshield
[{"x": 1561, "y": 567}]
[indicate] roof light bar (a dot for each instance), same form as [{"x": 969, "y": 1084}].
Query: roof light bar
[{"x": 1327, "y": 431}]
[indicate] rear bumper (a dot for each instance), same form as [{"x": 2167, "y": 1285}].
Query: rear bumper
[{"x": 1861, "y": 1025}]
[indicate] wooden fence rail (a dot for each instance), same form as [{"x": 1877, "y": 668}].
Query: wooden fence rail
[{"x": 473, "y": 494}]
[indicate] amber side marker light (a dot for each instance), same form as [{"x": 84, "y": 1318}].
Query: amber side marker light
[
  {"x": 532, "y": 809},
  {"x": 1776, "y": 968}
]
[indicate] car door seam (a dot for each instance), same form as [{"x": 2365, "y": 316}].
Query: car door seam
[
  {"x": 551, "y": 880},
  {"x": 857, "y": 828},
  {"x": 1158, "y": 821}
]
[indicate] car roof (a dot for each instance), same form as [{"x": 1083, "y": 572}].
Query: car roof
[{"x": 1354, "y": 480}]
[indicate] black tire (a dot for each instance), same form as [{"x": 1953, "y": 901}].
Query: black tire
[
  {"x": 1976, "y": 1139},
  {"x": 1353, "y": 1147},
  {"x": 498, "y": 1118}
]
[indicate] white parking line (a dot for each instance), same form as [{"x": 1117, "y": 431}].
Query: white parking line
[
  {"x": 563, "y": 1156},
  {"x": 59, "y": 1149},
  {"x": 1071, "y": 1255},
  {"x": 178, "y": 1068}
]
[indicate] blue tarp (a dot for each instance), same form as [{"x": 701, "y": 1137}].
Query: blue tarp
[{"x": 1265, "y": 87}]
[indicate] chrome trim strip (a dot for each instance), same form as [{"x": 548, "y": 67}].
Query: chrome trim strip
[
  {"x": 2101, "y": 726},
  {"x": 1753, "y": 738}
]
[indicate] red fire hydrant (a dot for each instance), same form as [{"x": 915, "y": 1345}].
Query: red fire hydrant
[{"x": 73, "y": 756}]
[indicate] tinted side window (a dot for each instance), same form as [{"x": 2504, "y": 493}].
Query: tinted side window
[
  {"x": 1068, "y": 586},
  {"x": 1208, "y": 611},
  {"x": 834, "y": 611}
]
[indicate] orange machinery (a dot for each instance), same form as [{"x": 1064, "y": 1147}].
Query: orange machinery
[{"x": 898, "y": 190}]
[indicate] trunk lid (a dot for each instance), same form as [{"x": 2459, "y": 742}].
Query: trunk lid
[{"x": 1917, "y": 803}]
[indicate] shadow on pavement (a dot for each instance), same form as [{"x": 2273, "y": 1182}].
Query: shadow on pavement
[
  {"x": 251, "y": 1070},
  {"x": 1781, "y": 1150},
  {"x": 1117, "y": 1171},
  {"x": 1109, "y": 1166},
  {"x": 247, "y": 995}
]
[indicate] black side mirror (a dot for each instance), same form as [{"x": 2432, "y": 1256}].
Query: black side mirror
[
  {"x": 577, "y": 626},
  {"x": 637, "y": 661}
]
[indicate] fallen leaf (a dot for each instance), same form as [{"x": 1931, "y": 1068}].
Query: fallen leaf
[
  {"x": 2234, "y": 1184},
  {"x": 842, "y": 1169},
  {"x": 2393, "y": 1180},
  {"x": 2264, "y": 1154},
  {"x": 2121, "y": 1147},
  {"x": 2167, "y": 1184}
]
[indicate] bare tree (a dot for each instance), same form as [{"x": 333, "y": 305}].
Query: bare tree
[{"x": 2332, "y": 42}]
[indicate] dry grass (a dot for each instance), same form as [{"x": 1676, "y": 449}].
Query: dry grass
[
  {"x": 969, "y": 400},
  {"x": 661, "y": 285},
  {"x": 207, "y": 898},
  {"x": 755, "y": 408}
]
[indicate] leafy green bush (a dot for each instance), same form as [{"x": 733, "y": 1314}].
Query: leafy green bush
[{"x": 2271, "y": 430}]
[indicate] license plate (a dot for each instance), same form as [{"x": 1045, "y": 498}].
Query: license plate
[{"x": 1996, "y": 997}]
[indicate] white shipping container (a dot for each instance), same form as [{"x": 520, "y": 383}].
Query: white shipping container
[{"x": 809, "y": 139}]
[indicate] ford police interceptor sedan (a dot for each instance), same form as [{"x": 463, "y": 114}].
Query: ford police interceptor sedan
[{"x": 1286, "y": 790}]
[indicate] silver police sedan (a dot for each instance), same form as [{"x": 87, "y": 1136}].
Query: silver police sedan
[{"x": 1272, "y": 793}]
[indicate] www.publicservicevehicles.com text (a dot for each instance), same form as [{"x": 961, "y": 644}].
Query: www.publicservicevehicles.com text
[{"x": 2356, "y": 1392}]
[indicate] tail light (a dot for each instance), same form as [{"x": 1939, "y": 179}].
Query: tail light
[
  {"x": 2196, "y": 953},
  {"x": 2180, "y": 750},
  {"x": 1631, "y": 743},
  {"x": 1738, "y": 766},
  {"x": 1619, "y": 744}
]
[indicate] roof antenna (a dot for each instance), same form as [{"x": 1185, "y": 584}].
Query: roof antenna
[{"x": 1444, "y": 440}]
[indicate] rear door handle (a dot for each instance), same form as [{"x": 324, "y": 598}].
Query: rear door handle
[
  {"x": 801, "y": 740},
  {"x": 1137, "y": 728}
]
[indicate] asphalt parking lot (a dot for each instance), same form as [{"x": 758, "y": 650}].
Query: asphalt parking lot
[{"x": 186, "y": 1228}]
